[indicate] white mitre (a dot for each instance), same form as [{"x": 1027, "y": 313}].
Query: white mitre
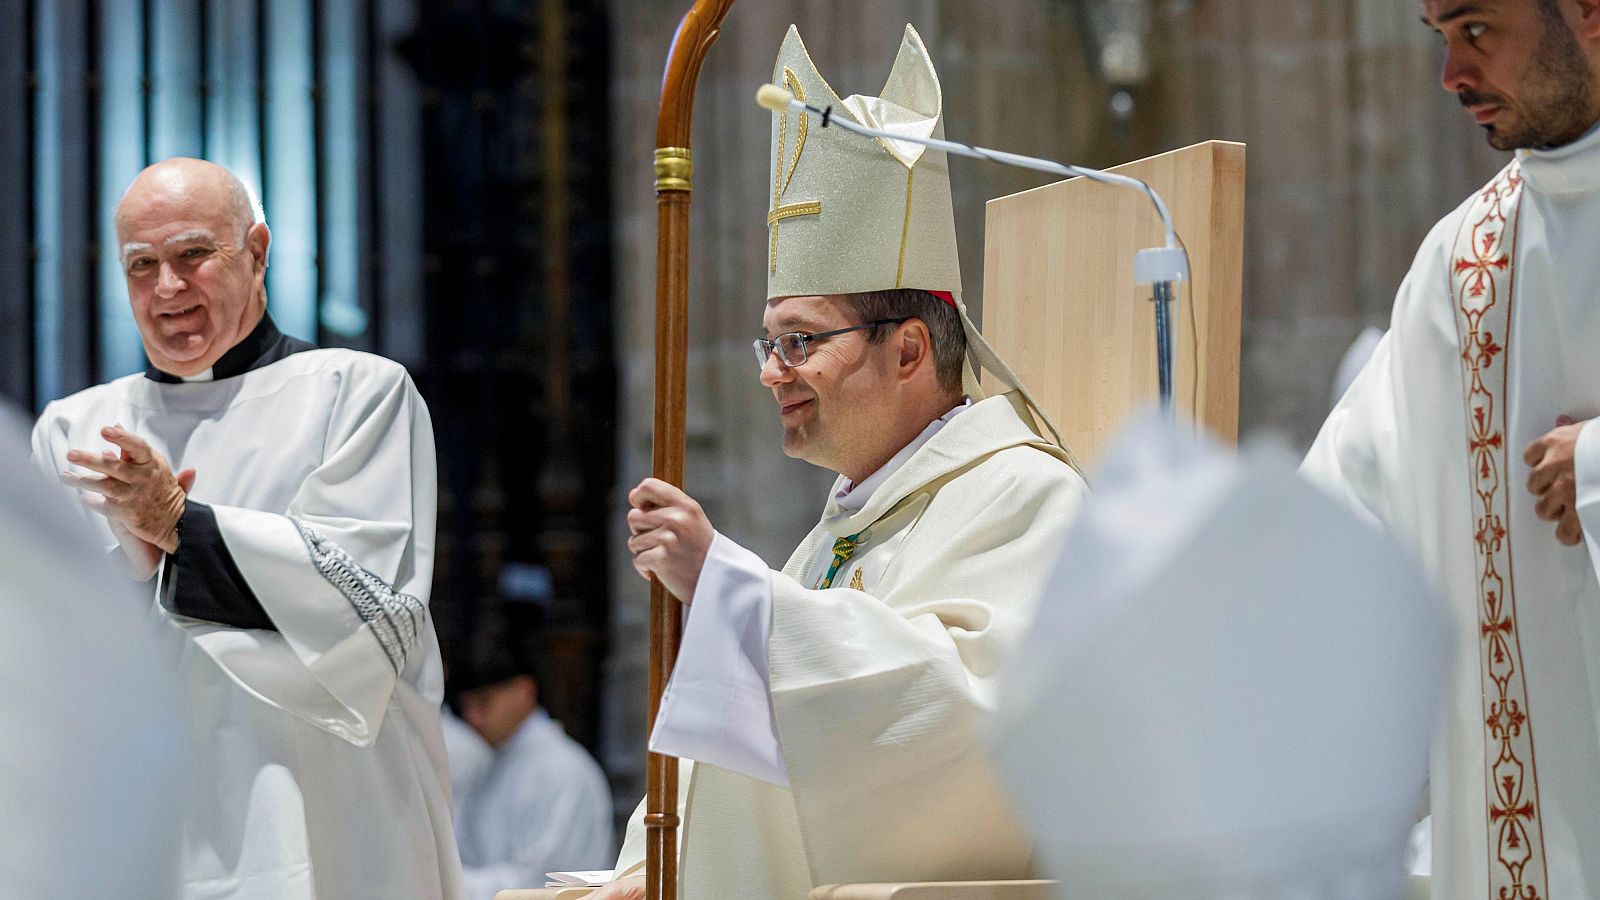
[
  {"x": 851, "y": 214},
  {"x": 1229, "y": 690}
]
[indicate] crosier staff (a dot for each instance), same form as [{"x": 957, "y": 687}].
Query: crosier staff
[{"x": 673, "y": 168}]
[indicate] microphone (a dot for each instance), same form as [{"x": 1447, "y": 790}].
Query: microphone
[
  {"x": 1161, "y": 267},
  {"x": 773, "y": 97}
]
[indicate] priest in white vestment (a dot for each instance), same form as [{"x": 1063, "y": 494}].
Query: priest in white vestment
[
  {"x": 1471, "y": 434},
  {"x": 835, "y": 709},
  {"x": 541, "y": 803},
  {"x": 293, "y": 548},
  {"x": 94, "y": 749}
]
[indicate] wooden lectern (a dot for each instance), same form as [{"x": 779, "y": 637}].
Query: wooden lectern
[{"x": 1061, "y": 306}]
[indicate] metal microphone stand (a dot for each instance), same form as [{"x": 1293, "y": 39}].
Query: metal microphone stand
[{"x": 1161, "y": 267}]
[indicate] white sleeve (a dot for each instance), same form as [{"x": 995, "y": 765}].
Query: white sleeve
[
  {"x": 717, "y": 707},
  {"x": 344, "y": 572},
  {"x": 50, "y": 459},
  {"x": 1351, "y": 457},
  {"x": 1586, "y": 472}
]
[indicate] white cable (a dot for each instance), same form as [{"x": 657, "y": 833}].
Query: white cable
[{"x": 777, "y": 99}]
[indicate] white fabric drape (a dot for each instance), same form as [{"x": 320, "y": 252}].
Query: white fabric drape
[{"x": 95, "y": 759}]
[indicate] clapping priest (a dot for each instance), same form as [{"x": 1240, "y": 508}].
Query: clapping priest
[{"x": 280, "y": 501}]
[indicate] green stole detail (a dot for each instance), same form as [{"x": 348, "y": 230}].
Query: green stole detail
[{"x": 843, "y": 549}]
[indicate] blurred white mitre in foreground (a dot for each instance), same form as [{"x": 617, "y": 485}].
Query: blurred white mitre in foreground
[
  {"x": 1230, "y": 687},
  {"x": 94, "y": 746}
]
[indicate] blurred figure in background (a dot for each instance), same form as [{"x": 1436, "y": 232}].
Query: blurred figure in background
[
  {"x": 469, "y": 754},
  {"x": 543, "y": 803},
  {"x": 93, "y": 772}
]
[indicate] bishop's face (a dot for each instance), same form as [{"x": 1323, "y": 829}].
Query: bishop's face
[
  {"x": 1518, "y": 68},
  {"x": 831, "y": 407}
]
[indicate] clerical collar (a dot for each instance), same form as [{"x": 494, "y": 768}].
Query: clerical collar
[
  {"x": 853, "y": 498},
  {"x": 1570, "y": 168},
  {"x": 264, "y": 346}
]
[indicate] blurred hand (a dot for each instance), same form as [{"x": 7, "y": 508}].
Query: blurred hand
[
  {"x": 670, "y": 536},
  {"x": 136, "y": 491},
  {"x": 631, "y": 888},
  {"x": 143, "y": 557},
  {"x": 1554, "y": 479}
]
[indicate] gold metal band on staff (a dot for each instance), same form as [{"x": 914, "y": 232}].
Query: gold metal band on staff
[{"x": 674, "y": 169}]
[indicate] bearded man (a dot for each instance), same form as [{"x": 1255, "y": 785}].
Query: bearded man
[{"x": 1470, "y": 433}]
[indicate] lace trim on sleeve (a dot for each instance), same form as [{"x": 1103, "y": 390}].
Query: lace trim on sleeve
[{"x": 394, "y": 617}]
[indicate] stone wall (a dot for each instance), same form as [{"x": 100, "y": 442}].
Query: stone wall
[{"x": 1354, "y": 152}]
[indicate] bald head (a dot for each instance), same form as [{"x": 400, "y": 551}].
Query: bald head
[
  {"x": 196, "y": 181},
  {"x": 195, "y": 258}
]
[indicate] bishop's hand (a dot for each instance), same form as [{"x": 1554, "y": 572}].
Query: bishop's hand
[
  {"x": 669, "y": 536},
  {"x": 1554, "y": 479},
  {"x": 137, "y": 493}
]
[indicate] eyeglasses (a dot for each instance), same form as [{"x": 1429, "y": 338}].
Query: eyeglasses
[{"x": 791, "y": 347}]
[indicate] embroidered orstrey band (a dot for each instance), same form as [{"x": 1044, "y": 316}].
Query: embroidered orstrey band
[
  {"x": 1482, "y": 282},
  {"x": 393, "y": 617},
  {"x": 782, "y": 175}
]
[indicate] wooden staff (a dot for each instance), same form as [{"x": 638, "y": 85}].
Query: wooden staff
[{"x": 674, "y": 167}]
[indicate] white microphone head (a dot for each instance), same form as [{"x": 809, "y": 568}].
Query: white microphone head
[{"x": 773, "y": 97}]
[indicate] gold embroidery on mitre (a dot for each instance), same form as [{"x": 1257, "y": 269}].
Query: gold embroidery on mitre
[
  {"x": 780, "y": 179},
  {"x": 792, "y": 82}
]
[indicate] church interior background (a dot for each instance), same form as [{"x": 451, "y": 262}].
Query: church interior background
[{"x": 465, "y": 186}]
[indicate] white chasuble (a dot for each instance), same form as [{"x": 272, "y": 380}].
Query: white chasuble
[
  {"x": 319, "y": 769},
  {"x": 1494, "y": 335},
  {"x": 882, "y": 678}
]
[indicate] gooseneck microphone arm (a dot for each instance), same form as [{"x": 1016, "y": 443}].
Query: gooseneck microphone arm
[{"x": 1161, "y": 267}]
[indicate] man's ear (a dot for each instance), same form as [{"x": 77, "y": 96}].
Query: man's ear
[
  {"x": 256, "y": 240},
  {"x": 916, "y": 347}
]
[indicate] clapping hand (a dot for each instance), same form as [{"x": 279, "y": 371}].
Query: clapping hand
[{"x": 138, "y": 494}]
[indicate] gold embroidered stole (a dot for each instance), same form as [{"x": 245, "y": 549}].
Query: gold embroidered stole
[
  {"x": 1482, "y": 280},
  {"x": 843, "y": 549}
]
